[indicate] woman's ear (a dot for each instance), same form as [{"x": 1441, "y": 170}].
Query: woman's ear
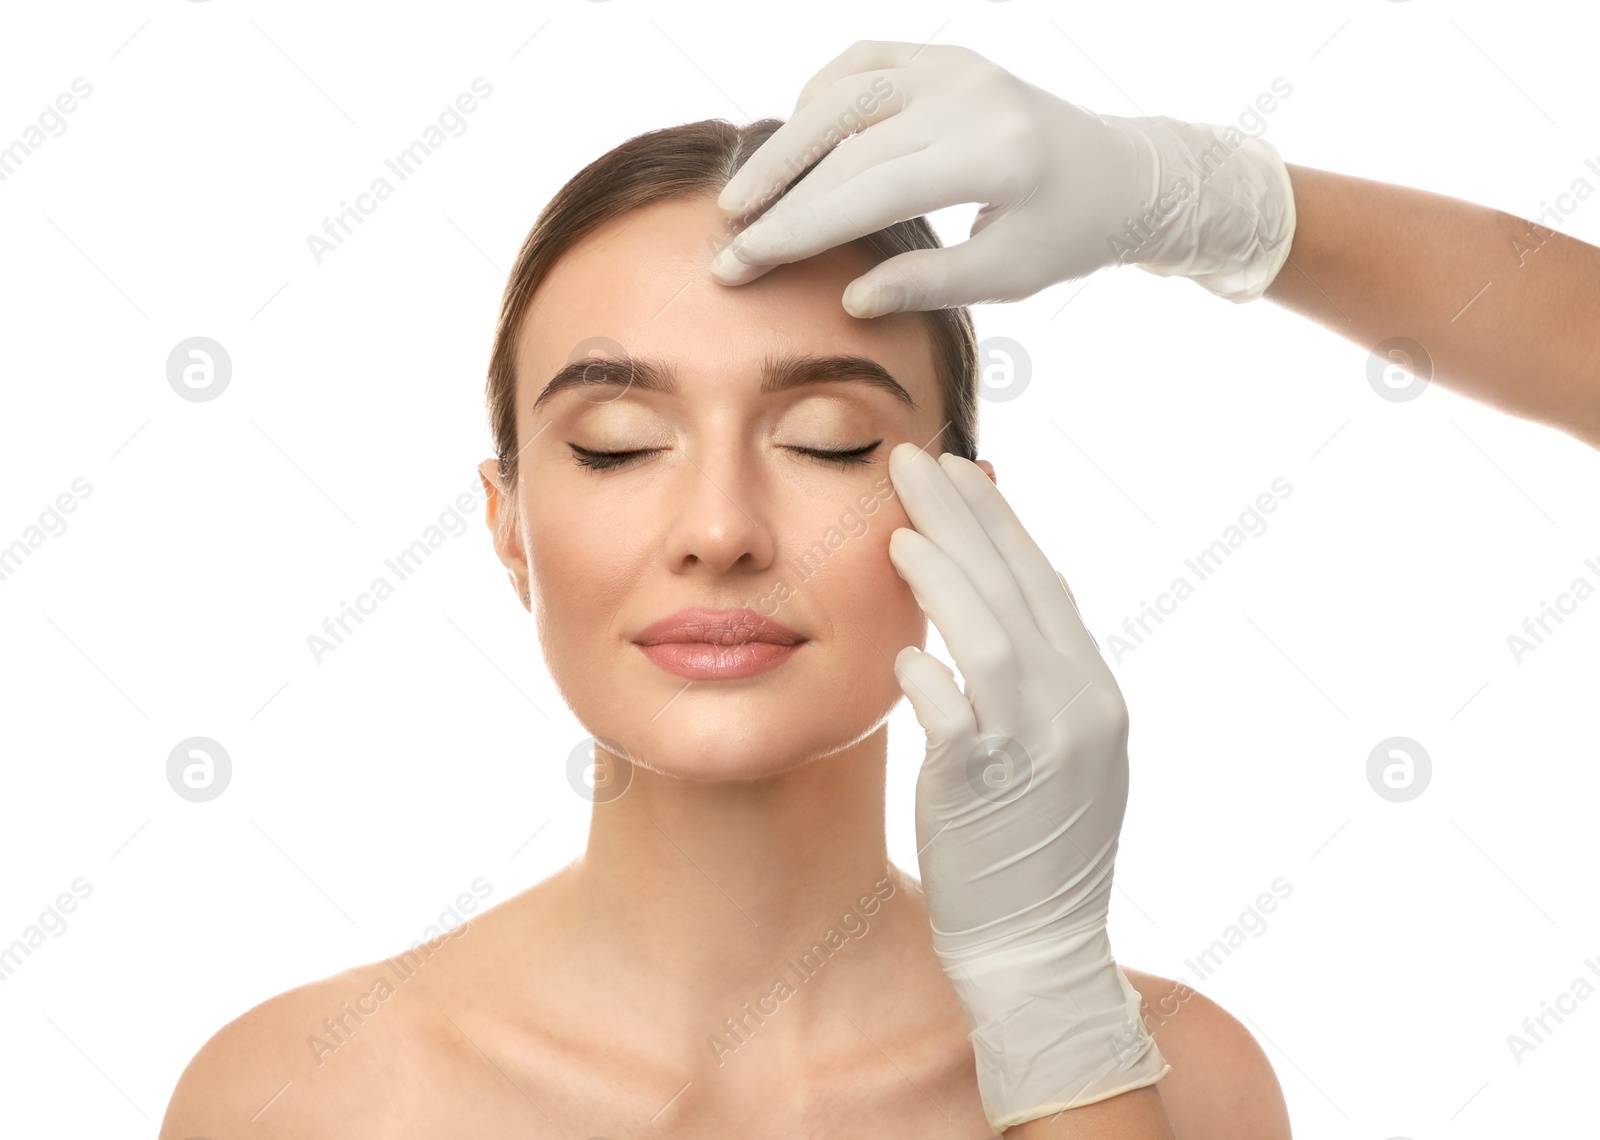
[
  {"x": 988, "y": 469},
  {"x": 503, "y": 527}
]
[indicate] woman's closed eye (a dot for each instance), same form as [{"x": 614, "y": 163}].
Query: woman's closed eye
[{"x": 610, "y": 460}]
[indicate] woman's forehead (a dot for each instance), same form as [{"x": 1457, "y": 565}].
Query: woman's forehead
[{"x": 643, "y": 282}]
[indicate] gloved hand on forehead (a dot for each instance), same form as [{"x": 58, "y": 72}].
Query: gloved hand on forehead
[{"x": 1064, "y": 191}]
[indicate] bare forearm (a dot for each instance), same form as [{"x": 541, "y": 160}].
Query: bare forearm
[
  {"x": 1136, "y": 1115},
  {"x": 1507, "y": 311}
]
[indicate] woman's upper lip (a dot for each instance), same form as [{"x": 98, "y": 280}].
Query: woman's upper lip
[{"x": 717, "y": 627}]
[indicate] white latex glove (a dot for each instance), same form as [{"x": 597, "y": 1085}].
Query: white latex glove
[
  {"x": 1064, "y": 191},
  {"x": 1016, "y": 845}
]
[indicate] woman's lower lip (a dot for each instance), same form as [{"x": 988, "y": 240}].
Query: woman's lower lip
[{"x": 702, "y": 661}]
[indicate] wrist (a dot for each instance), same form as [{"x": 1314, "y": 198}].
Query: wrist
[
  {"x": 1215, "y": 205},
  {"x": 1055, "y": 1025}
]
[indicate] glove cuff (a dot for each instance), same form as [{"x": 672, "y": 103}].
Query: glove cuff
[
  {"x": 1056, "y": 1025},
  {"x": 1220, "y": 207}
]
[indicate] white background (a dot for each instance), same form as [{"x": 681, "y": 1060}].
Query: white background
[{"x": 370, "y": 790}]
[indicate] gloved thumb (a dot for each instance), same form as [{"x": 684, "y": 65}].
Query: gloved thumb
[
  {"x": 923, "y": 279},
  {"x": 918, "y": 280}
]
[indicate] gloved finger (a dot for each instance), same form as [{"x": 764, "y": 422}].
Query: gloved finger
[
  {"x": 885, "y": 179},
  {"x": 863, "y": 55},
  {"x": 1073, "y": 598},
  {"x": 941, "y": 514},
  {"x": 942, "y": 710},
  {"x": 872, "y": 147},
  {"x": 799, "y": 227},
  {"x": 1054, "y": 610},
  {"x": 728, "y": 269},
  {"x": 981, "y": 270},
  {"x": 978, "y": 642},
  {"x": 943, "y": 792},
  {"x": 853, "y": 104}
]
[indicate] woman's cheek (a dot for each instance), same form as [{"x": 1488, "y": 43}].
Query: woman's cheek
[
  {"x": 562, "y": 567},
  {"x": 912, "y": 624},
  {"x": 891, "y": 608}
]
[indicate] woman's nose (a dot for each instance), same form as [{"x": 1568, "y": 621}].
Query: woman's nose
[{"x": 718, "y": 515}]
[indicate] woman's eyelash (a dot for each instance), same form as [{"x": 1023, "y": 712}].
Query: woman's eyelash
[
  {"x": 853, "y": 457},
  {"x": 601, "y": 460},
  {"x": 610, "y": 460}
]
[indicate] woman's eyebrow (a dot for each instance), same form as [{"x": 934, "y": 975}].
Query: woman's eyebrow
[{"x": 780, "y": 373}]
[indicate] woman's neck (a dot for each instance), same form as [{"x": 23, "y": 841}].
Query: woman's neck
[{"x": 701, "y": 902}]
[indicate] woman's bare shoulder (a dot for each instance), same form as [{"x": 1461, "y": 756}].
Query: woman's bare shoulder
[
  {"x": 1221, "y": 1084},
  {"x": 319, "y": 1059},
  {"x": 360, "y": 1053}
]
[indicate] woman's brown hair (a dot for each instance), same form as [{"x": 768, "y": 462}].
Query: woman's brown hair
[{"x": 690, "y": 161}]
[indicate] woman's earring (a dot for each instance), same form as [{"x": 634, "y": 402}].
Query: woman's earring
[{"x": 524, "y": 598}]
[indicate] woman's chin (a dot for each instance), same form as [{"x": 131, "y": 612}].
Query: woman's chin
[
  {"x": 752, "y": 749},
  {"x": 704, "y": 769}
]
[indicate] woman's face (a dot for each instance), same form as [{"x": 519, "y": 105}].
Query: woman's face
[{"x": 724, "y": 509}]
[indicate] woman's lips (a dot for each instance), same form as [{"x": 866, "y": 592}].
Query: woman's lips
[
  {"x": 703, "y": 661},
  {"x": 718, "y": 645},
  {"x": 719, "y": 627}
]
